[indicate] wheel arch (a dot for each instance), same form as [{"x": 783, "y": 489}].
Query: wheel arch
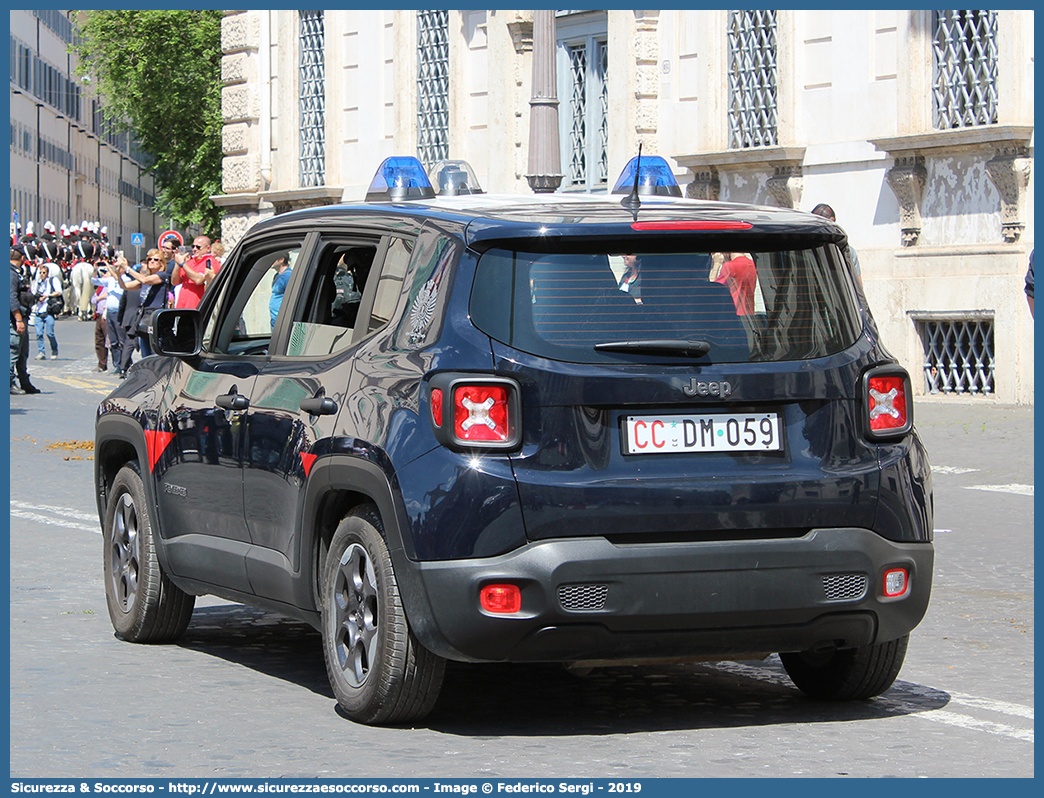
[
  {"x": 118, "y": 440},
  {"x": 342, "y": 483}
]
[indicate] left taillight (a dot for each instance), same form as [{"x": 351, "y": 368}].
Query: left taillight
[
  {"x": 475, "y": 412},
  {"x": 887, "y": 402}
]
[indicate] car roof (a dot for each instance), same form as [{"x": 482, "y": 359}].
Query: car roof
[{"x": 492, "y": 218}]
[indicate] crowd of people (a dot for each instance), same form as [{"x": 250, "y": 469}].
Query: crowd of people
[{"x": 75, "y": 271}]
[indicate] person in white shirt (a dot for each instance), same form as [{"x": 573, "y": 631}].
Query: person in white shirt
[
  {"x": 44, "y": 286},
  {"x": 111, "y": 278}
]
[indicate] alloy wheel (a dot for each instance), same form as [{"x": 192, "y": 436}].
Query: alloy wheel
[
  {"x": 355, "y": 602},
  {"x": 126, "y": 553}
]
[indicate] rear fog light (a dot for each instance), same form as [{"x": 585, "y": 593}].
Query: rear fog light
[{"x": 501, "y": 599}]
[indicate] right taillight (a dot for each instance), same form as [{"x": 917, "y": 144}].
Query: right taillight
[
  {"x": 887, "y": 402},
  {"x": 475, "y": 411}
]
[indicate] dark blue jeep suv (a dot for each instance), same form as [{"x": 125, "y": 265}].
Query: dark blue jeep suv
[{"x": 527, "y": 428}]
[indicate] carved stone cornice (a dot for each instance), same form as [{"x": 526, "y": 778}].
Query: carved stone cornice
[
  {"x": 937, "y": 142},
  {"x": 521, "y": 30},
  {"x": 907, "y": 179},
  {"x": 303, "y": 198}
]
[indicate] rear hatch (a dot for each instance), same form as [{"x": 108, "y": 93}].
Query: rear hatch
[{"x": 677, "y": 392}]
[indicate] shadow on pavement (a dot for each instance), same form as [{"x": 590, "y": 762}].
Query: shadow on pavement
[{"x": 523, "y": 700}]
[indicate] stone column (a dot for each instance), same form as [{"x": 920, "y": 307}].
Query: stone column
[
  {"x": 240, "y": 110},
  {"x": 647, "y": 80},
  {"x": 907, "y": 180},
  {"x": 545, "y": 160},
  {"x": 1009, "y": 170}
]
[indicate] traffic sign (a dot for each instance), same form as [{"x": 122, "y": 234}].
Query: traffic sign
[
  {"x": 174, "y": 233},
  {"x": 137, "y": 240}
]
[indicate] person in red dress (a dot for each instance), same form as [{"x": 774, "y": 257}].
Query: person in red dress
[{"x": 736, "y": 270}]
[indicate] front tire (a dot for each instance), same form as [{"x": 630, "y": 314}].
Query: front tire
[
  {"x": 144, "y": 605},
  {"x": 847, "y": 674},
  {"x": 377, "y": 669}
]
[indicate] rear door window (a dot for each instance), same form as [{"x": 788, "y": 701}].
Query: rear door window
[
  {"x": 739, "y": 305},
  {"x": 326, "y": 317}
]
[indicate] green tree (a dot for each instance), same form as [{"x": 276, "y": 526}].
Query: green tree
[{"x": 158, "y": 75}]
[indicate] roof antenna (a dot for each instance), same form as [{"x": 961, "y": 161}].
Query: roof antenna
[{"x": 631, "y": 201}]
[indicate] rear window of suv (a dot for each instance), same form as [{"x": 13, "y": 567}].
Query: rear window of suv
[{"x": 740, "y": 306}]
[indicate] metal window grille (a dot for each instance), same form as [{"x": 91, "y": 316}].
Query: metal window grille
[
  {"x": 752, "y": 79},
  {"x": 958, "y": 356},
  {"x": 602, "y": 173},
  {"x": 578, "y": 118},
  {"x": 432, "y": 86},
  {"x": 588, "y": 114},
  {"x": 965, "y": 69},
  {"x": 312, "y": 42}
]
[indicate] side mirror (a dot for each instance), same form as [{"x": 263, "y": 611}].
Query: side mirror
[{"x": 177, "y": 332}]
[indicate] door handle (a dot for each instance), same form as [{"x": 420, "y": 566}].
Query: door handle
[
  {"x": 319, "y": 406},
  {"x": 232, "y": 401}
]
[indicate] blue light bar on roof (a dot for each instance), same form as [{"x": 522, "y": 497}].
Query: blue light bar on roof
[
  {"x": 453, "y": 178},
  {"x": 400, "y": 178},
  {"x": 656, "y": 177}
]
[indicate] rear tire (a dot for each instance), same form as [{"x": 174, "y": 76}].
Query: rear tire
[
  {"x": 847, "y": 674},
  {"x": 377, "y": 669},
  {"x": 144, "y": 605}
]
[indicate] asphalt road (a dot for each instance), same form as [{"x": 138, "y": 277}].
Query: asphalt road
[{"x": 244, "y": 694}]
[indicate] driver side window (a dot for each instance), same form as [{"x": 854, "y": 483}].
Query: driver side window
[{"x": 245, "y": 314}]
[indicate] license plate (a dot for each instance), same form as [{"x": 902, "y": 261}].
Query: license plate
[{"x": 710, "y": 432}]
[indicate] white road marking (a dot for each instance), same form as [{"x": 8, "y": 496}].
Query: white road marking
[
  {"x": 1003, "y": 707},
  {"x": 66, "y": 517},
  {"x": 952, "y": 470},
  {"x": 1022, "y": 490},
  {"x": 913, "y": 710},
  {"x": 968, "y": 722}
]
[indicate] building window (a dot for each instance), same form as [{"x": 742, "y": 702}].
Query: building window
[
  {"x": 313, "y": 99},
  {"x": 965, "y": 69},
  {"x": 583, "y": 93},
  {"x": 958, "y": 354},
  {"x": 752, "y": 79},
  {"x": 432, "y": 86}
]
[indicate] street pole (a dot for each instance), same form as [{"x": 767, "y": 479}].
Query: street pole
[{"x": 545, "y": 160}]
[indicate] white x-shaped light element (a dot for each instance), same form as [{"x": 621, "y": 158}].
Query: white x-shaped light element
[
  {"x": 884, "y": 403},
  {"x": 478, "y": 413}
]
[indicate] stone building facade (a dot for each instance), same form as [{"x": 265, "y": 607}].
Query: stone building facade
[
  {"x": 916, "y": 126},
  {"x": 66, "y": 165}
]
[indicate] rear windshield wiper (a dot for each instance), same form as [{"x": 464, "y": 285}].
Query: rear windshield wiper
[{"x": 657, "y": 346}]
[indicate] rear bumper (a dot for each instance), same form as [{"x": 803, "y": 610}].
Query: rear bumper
[{"x": 588, "y": 599}]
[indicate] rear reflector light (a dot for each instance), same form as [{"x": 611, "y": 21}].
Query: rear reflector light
[
  {"x": 707, "y": 224},
  {"x": 896, "y": 582},
  {"x": 887, "y": 397},
  {"x": 501, "y": 599},
  {"x": 475, "y": 412},
  {"x": 436, "y": 407}
]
